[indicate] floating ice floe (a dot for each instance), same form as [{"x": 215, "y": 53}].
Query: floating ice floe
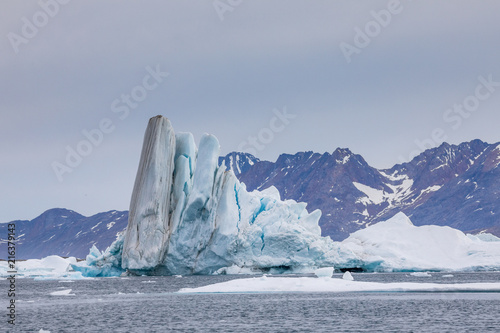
[
  {"x": 326, "y": 272},
  {"x": 48, "y": 268},
  {"x": 65, "y": 292},
  {"x": 347, "y": 276},
  {"x": 307, "y": 284},
  {"x": 421, "y": 274}
]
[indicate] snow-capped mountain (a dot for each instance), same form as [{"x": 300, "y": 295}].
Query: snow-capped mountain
[
  {"x": 63, "y": 232},
  {"x": 238, "y": 162},
  {"x": 454, "y": 185}
]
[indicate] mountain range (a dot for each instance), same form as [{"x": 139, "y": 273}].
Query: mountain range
[{"x": 450, "y": 185}]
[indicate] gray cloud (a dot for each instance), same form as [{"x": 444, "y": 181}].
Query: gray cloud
[{"x": 226, "y": 77}]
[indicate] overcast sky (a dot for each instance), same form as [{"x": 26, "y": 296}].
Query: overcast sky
[{"x": 374, "y": 76}]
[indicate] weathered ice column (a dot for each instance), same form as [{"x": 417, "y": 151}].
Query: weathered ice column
[{"x": 148, "y": 229}]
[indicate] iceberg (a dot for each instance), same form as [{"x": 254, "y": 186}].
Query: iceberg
[
  {"x": 148, "y": 228},
  {"x": 188, "y": 215},
  {"x": 103, "y": 264},
  {"x": 398, "y": 245},
  {"x": 48, "y": 268}
]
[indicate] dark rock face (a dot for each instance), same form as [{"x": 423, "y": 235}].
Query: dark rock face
[
  {"x": 238, "y": 162},
  {"x": 453, "y": 185},
  {"x": 64, "y": 232}
]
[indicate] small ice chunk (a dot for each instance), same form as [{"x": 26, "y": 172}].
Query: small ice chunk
[
  {"x": 43, "y": 331},
  {"x": 324, "y": 272},
  {"x": 348, "y": 276},
  {"x": 65, "y": 292},
  {"x": 448, "y": 276}
]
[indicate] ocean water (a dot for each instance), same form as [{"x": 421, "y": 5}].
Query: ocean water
[{"x": 150, "y": 304}]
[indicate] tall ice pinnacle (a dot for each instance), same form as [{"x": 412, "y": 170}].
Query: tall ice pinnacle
[{"x": 148, "y": 225}]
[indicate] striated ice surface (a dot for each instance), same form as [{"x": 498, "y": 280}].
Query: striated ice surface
[{"x": 148, "y": 229}]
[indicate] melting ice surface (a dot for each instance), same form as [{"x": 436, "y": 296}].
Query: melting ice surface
[{"x": 190, "y": 216}]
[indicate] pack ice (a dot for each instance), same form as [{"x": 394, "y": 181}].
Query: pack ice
[{"x": 190, "y": 216}]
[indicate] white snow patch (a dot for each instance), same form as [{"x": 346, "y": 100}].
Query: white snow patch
[
  {"x": 394, "y": 176},
  {"x": 372, "y": 195},
  {"x": 95, "y": 226},
  {"x": 439, "y": 167},
  {"x": 49, "y": 238},
  {"x": 432, "y": 189}
]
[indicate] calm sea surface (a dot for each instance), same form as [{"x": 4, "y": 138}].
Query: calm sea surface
[{"x": 150, "y": 304}]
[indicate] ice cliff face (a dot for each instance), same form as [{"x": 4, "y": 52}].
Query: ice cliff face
[{"x": 190, "y": 216}]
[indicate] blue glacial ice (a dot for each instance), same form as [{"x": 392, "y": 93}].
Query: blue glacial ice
[{"x": 190, "y": 216}]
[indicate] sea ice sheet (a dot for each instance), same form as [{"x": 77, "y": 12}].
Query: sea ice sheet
[{"x": 308, "y": 284}]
